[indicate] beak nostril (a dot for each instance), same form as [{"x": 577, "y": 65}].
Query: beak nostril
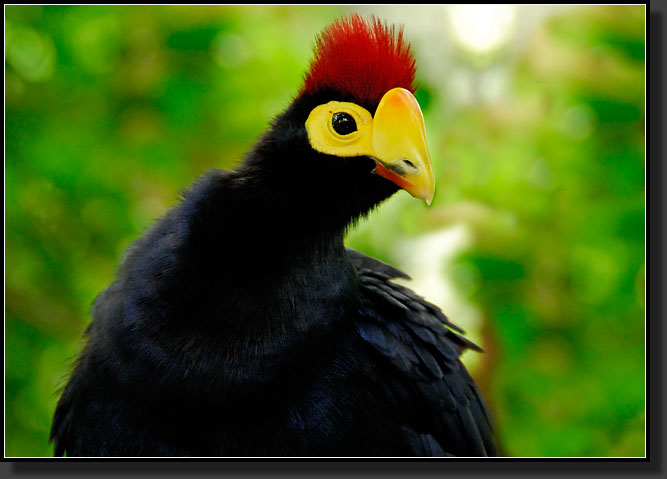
[{"x": 409, "y": 164}]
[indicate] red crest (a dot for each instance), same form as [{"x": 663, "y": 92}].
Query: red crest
[{"x": 362, "y": 59}]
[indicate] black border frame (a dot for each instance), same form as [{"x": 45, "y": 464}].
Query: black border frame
[{"x": 650, "y": 466}]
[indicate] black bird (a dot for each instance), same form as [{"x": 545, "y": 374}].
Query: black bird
[{"x": 240, "y": 325}]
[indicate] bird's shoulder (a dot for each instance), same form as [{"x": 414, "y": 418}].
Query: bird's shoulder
[
  {"x": 417, "y": 349},
  {"x": 404, "y": 308}
]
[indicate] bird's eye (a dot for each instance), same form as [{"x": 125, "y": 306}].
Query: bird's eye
[{"x": 343, "y": 123}]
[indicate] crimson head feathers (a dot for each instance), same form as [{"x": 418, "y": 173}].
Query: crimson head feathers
[{"x": 362, "y": 59}]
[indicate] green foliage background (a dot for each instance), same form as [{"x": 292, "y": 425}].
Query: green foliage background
[{"x": 112, "y": 110}]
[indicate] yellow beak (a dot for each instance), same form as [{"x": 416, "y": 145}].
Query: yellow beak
[{"x": 399, "y": 144}]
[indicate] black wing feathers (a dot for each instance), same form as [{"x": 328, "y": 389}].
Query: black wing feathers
[
  {"x": 444, "y": 412},
  {"x": 371, "y": 267}
]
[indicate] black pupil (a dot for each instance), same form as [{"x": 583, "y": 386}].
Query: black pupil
[{"x": 343, "y": 123}]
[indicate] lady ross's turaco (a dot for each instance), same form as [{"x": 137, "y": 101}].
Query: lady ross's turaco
[{"x": 240, "y": 324}]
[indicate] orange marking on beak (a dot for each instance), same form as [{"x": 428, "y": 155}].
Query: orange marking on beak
[{"x": 393, "y": 177}]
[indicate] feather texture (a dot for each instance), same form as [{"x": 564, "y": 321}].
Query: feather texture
[
  {"x": 420, "y": 349},
  {"x": 361, "y": 59},
  {"x": 322, "y": 355}
]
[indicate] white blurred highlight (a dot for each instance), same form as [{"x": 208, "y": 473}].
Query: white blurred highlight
[
  {"x": 481, "y": 28},
  {"x": 426, "y": 259}
]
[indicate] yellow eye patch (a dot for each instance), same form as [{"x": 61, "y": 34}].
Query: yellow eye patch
[
  {"x": 395, "y": 138},
  {"x": 324, "y": 138}
]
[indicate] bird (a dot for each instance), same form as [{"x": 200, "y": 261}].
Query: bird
[{"x": 241, "y": 325}]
